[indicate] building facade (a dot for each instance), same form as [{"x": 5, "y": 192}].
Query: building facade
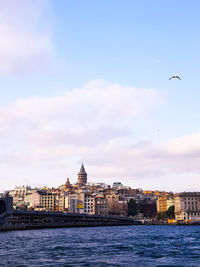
[
  {"x": 187, "y": 207},
  {"x": 89, "y": 204},
  {"x": 101, "y": 206},
  {"x": 113, "y": 203}
]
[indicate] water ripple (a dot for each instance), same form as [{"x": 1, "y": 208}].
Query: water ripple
[{"x": 102, "y": 246}]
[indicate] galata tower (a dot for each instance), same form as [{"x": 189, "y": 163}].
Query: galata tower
[{"x": 82, "y": 176}]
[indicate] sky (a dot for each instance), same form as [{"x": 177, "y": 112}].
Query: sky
[{"x": 88, "y": 81}]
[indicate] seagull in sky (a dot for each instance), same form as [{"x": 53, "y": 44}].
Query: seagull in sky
[{"x": 175, "y": 77}]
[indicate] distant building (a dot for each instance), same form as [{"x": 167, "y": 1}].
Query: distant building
[
  {"x": 116, "y": 185},
  {"x": 48, "y": 201},
  {"x": 82, "y": 176},
  {"x": 71, "y": 202},
  {"x": 80, "y": 203},
  {"x": 89, "y": 204},
  {"x": 113, "y": 203},
  {"x": 67, "y": 184},
  {"x": 101, "y": 206},
  {"x": 21, "y": 196},
  {"x": 187, "y": 207},
  {"x": 74, "y": 203},
  {"x": 62, "y": 201},
  {"x": 123, "y": 208}
]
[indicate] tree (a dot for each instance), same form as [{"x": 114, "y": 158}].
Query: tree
[
  {"x": 170, "y": 213},
  {"x": 162, "y": 215}
]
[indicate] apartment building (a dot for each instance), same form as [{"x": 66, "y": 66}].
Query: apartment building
[
  {"x": 89, "y": 204},
  {"x": 187, "y": 207},
  {"x": 113, "y": 203}
]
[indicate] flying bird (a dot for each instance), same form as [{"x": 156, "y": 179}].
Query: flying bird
[{"x": 175, "y": 77}]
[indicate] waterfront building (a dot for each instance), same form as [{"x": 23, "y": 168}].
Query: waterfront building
[
  {"x": 82, "y": 176},
  {"x": 164, "y": 203},
  {"x": 44, "y": 200},
  {"x": 187, "y": 207},
  {"x": 48, "y": 201}
]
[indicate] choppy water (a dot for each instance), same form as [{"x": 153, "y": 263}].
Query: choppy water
[{"x": 102, "y": 246}]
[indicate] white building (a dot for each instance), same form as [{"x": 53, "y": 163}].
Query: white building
[
  {"x": 187, "y": 207},
  {"x": 74, "y": 203}
]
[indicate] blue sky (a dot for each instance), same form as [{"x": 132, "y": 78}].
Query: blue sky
[{"x": 88, "y": 80}]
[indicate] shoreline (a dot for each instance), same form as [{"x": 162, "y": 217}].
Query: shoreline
[{"x": 24, "y": 227}]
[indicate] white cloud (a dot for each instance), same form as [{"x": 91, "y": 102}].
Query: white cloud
[
  {"x": 98, "y": 110},
  {"x": 79, "y": 124},
  {"x": 25, "y": 44},
  {"x": 48, "y": 137},
  {"x": 184, "y": 145}
]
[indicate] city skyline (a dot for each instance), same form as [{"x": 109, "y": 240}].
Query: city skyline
[
  {"x": 81, "y": 182},
  {"x": 90, "y": 82}
]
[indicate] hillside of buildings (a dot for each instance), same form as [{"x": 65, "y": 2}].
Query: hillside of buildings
[{"x": 101, "y": 199}]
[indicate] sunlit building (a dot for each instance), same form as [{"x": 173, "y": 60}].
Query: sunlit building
[{"x": 164, "y": 203}]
